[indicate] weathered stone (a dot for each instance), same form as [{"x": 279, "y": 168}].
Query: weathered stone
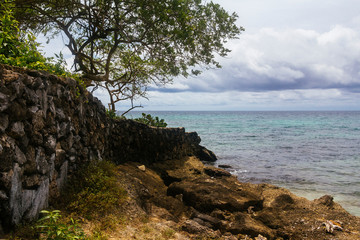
[
  {"x": 33, "y": 109},
  {"x": 206, "y": 195},
  {"x": 30, "y": 165},
  {"x": 17, "y": 111},
  {"x": 38, "y": 121},
  {"x": 16, "y": 196},
  {"x": 60, "y": 114},
  {"x": 37, "y": 201},
  {"x": 43, "y": 99},
  {"x": 192, "y": 226},
  {"x": 214, "y": 222},
  {"x": 41, "y": 164},
  {"x": 4, "y": 102},
  {"x": 32, "y": 182},
  {"x": 244, "y": 224},
  {"x": 283, "y": 201},
  {"x": 216, "y": 172},
  {"x": 60, "y": 157},
  {"x": 37, "y": 139},
  {"x": 326, "y": 200},
  {"x": 7, "y": 154},
  {"x": 205, "y": 154},
  {"x": 224, "y": 166},
  {"x": 62, "y": 177},
  {"x": 3, "y": 196},
  {"x": 50, "y": 144},
  {"x": 4, "y": 122},
  {"x": 19, "y": 156},
  {"x": 31, "y": 97},
  {"x": 18, "y": 87},
  {"x": 17, "y": 130},
  {"x": 63, "y": 129}
]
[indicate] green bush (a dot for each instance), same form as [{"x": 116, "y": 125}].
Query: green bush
[
  {"x": 151, "y": 121},
  {"x": 19, "y": 48},
  {"x": 51, "y": 228},
  {"x": 96, "y": 191}
]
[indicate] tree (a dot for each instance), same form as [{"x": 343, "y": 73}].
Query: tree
[
  {"x": 19, "y": 48},
  {"x": 126, "y": 45}
]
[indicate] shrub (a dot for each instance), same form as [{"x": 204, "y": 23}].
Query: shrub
[
  {"x": 96, "y": 191},
  {"x": 51, "y": 228},
  {"x": 151, "y": 121},
  {"x": 19, "y": 48}
]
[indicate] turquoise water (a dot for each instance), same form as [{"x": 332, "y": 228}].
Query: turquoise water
[{"x": 310, "y": 153}]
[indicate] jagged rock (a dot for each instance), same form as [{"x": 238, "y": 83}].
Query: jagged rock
[
  {"x": 50, "y": 144},
  {"x": 4, "y": 102},
  {"x": 17, "y": 130},
  {"x": 326, "y": 200},
  {"x": 224, "y": 166},
  {"x": 207, "y": 195},
  {"x": 192, "y": 226},
  {"x": 244, "y": 224},
  {"x": 216, "y": 172},
  {"x": 205, "y": 154},
  {"x": 19, "y": 156},
  {"x": 283, "y": 201},
  {"x": 4, "y": 122}
]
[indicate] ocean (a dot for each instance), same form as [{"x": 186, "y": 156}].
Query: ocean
[{"x": 309, "y": 153}]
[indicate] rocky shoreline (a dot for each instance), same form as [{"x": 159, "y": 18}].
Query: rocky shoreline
[
  {"x": 204, "y": 202},
  {"x": 50, "y": 127}
]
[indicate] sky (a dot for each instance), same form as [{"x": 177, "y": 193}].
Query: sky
[{"x": 294, "y": 55}]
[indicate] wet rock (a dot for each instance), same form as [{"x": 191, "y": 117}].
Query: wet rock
[
  {"x": 325, "y": 200},
  {"x": 224, "y": 166},
  {"x": 205, "y": 154},
  {"x": 216, "y": 172}
]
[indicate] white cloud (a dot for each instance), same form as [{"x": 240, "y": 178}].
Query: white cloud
[{"x": 286, "y": 59}]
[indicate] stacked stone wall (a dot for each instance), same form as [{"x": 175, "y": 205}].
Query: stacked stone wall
[{"x": 49, "y": 126}]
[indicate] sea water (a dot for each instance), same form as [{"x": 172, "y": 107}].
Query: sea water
[{"x": 310, "y": 153}]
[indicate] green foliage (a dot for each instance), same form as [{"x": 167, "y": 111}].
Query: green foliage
[
  {"x": 112, "y": 114},
  {"x": 52, "y": 228},
  {"x": 168, "y": 233},
  {"x": 125, "y": 46},
  {"x": 96, "y": 191},
  {"x": 19, "y": 48},
  {"x": 151, "y": 121}
]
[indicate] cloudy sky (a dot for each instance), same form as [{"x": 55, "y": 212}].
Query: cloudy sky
[{"x": 294, "y": 55}]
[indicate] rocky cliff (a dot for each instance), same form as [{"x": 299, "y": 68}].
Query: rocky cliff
[{"x": 49, "y": 126}]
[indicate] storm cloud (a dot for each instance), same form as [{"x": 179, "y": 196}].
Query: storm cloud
[{"x": 272, "y": 60}]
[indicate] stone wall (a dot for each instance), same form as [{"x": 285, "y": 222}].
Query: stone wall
[{"x": 49, "y": 126}]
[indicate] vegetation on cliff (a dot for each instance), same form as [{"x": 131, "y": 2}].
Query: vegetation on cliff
[
  {"x": 95, "y": 195},
  {"x": 19, "y": 48}
]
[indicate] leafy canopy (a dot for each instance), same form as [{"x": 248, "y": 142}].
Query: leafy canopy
[
  {"x": 124, "y": 46},
  {"x": 19, "y": 48}
]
